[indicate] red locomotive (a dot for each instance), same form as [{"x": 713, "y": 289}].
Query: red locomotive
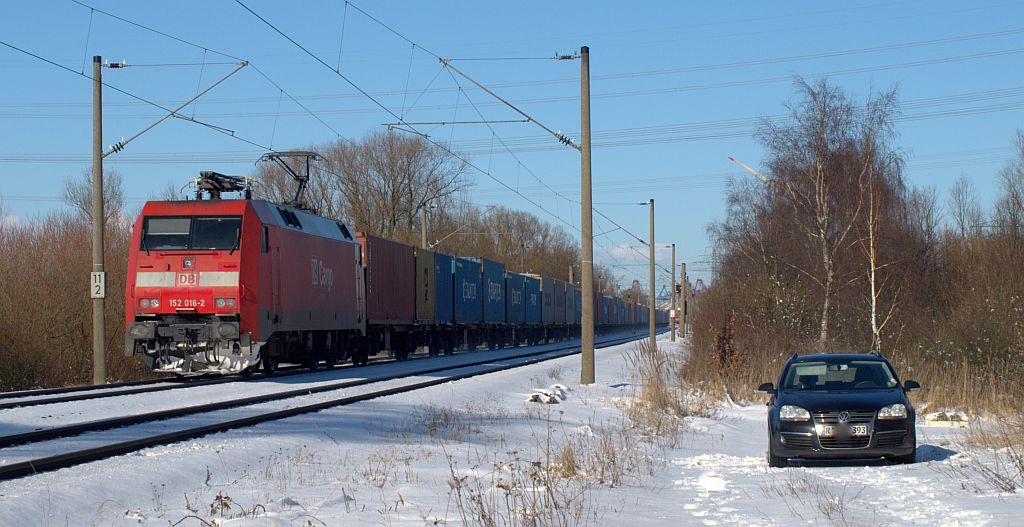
[{"x": 222, "y": 285}]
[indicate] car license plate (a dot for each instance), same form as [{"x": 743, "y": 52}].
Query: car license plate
[{"x": 854, "y": 430}]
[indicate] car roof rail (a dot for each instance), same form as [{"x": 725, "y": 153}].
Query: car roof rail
[{"x": 876, "y": 352}]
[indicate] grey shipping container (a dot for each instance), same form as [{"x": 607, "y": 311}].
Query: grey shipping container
[
  {"x": 558, "y": 295},
  {"x": 444, "y": 305},
  {"x": 390, "y": 280},
  {"x": 570, "y": 303},
  {"x": 532, "y": 300},
  {"x": 579, "y": 306},
  {"x": 468, "y": 305},
  {"x": 426, "y": 286},
  {"x": 515, "y": 309}
]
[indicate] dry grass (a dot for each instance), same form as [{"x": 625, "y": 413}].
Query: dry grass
[
  {"x": 45, "y": 310},
  {"x": 662, "y": 398},
  {"x": 813, "y": 500},
  {"x": 992, "y": 457}
]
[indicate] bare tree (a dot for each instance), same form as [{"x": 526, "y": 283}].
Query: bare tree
[
  {"x": 883, "y": 168},
  {"x": 381, "y": 184},
  {"x": 819, "y": 170},
  {"x": 78, "y": 194},
  {"x": 967, "y": 214},
  {"x": 389, "y": 178},
  {"x": 1008, "y": 216}
]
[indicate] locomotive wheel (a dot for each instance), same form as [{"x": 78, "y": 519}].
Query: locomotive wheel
[
  {"x": 267, "y": 363},
  {"x": 312, "y": 352}
]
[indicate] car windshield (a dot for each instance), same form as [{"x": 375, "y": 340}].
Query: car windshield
[
  {"x": 191, "y": 233},
  {"x": 839, "y": 375}
]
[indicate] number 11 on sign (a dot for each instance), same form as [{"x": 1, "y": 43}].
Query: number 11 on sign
[{"x": 98, "y": 285}]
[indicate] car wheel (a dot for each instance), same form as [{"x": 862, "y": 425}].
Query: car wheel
[
  {"x": 773, "y": 460},
  {"x": 907, "y": 459}
]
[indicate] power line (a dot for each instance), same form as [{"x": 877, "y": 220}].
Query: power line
[
  {"x": 399, "y": 118},
  {"x": 205, "y": 49},
  {"x": 218, "y": 129}
]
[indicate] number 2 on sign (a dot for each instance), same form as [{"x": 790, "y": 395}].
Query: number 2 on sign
[{"x": 98, "y": 285}]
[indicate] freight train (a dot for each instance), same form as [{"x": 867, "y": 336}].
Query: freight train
[{"x": 234, "y": 285}]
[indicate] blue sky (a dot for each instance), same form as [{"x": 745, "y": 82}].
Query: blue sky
[{"x": 677, "y": 87}]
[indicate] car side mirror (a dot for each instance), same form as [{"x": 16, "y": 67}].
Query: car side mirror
[
  {"x": 766, "y": 388},
  {"x": 911, "y": 386}
]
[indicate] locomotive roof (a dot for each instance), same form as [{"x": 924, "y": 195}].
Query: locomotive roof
[{"x": 269, "y": 213}]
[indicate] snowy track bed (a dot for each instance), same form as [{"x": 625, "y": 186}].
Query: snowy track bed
[
  {"x": 31, "y": 418},
  {"x": 466, "y": 449},
  {"x": 99, "y": 439}
]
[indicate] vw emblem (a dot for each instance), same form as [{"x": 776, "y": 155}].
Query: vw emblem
[{"x": 844, "y": 416}]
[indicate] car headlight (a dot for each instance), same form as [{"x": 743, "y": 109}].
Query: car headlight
[
  {"x": 893, "y": 411},
  {"x": 794, "y": 413}
]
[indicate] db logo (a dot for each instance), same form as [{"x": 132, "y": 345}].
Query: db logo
[{"x": 322, "y": 276}]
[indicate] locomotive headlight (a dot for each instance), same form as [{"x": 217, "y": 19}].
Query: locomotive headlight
[
  {"x": 228, "y": 331},
  {"x": 231, "y": 302},
  {"x": 221, "y": 302},
  {"x": 144, "y": 303},
  {"x": 140, "y": 331},
  {"x": 154, "y": 303}
]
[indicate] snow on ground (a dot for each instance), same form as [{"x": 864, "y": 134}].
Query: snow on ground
[{"x": 478, "y": 448}]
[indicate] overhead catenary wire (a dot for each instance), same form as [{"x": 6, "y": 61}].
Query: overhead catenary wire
[
  {"x": 225, "y": 131},
  {"x": 399, "y": 118},
  {"x": 221, "y": 53}
]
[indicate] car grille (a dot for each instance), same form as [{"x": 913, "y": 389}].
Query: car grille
[
  {"x": 890, "y": 439},
  {"x": 844, "y": 442},
  {"x": 856, "y": 418},
  {"x": 799, "y": 440}
]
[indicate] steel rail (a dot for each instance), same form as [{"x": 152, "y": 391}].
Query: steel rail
[{"x": 111, "y": 390}]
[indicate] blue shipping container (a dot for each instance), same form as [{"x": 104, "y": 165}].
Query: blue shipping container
[
  {"x": 515, "y": 310},
  {"x": 532, "y": 299},
  {"x": 468, "y": 306},
  {"x": 547, "y": 296},
  {"x": 444, "y": 309},
  {"x": 493, "y": 291}
]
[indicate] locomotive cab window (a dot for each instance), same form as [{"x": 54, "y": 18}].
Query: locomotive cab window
[
  {"x": 191, "y": 233},
  {"x": 216, "y": 233},
  {"x": 166, "y": 234}
]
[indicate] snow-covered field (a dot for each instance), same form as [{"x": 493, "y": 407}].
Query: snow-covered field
[{"x": 477, "y": 448}]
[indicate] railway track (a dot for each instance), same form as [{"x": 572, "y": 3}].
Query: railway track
[
  {"x": 25, "y": 447},
  {"x": 27, "y": 398}
]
